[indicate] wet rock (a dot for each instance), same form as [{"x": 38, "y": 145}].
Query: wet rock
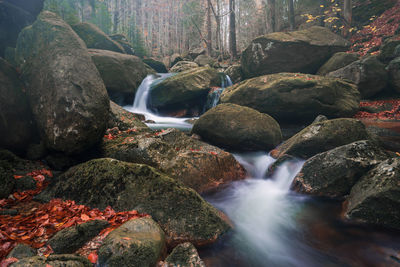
[
  {"x": 235, "y": 73},
  {"x": 368, "y": 74},
  {"x": 158, "y": 66},
  {"x": 394, "y": 74},
  {"x": 239, "y": 128},
  {"x": 184, "y": 255},
  {"x": 299, "y": 51},
  {"x": 375, "y": 198},
  {"x": 122, "y": 74},
  {"x": 338, "y": 61},
  {"x": 21, "y": 251},
  {"x": 138, "y": 242},
  {"x": 323, "y": 136},
  {"x": 334, "y": 173},
  {"x": 295, "y": 97},
  {"x": 73, "y": 238},
  {"x": 16, "y": 124},
  {"x": 180, "y": 211},
  {"x": 68, "y": 97},
  {"x": 96, "y": 38},
  {"x": 196, "y": 164},
  {"x": 54, "y": 260},
  {"x": 125, "y": 120},
  {"x": 123, "y": 41},
  {"x": 182, "y": 66},
  {"x": 186, "y": 90}
]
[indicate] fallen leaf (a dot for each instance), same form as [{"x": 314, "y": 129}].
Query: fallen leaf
[
  {"x": 93, "y": 257},
  {"x": 7, "y": 262}
]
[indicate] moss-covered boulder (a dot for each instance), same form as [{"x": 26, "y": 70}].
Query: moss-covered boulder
[
  {"x": 183, "y": 66},
  {"x": 335, "y": 172},
  {"x": 194, "y": 163},
  {"x": 235, "y": 73},
  {"x": 6, "y": 179},
  {"x": 338, "y": 61},
  {"x": 123, "y": 41},
  {"x": 203, "y": 60},
  {"x": 375, "y": 198},
  {"x": 322, "y": 136},
  {"x": 299, "y": 51},
  {"x": 180, "y": 211},
  {"x": 96, "y": 38},
  {"x": 124, "y": 120},
  {"x": 368, "y": 74},
  {"x": 54, "y": 260},
  {"x": 239, "y": 128},
  {"x": 122, "y": 74},
  {"x": 389, "y": 50},
  {"x": 158, "y": 66},
  {"x": 67, "y": 95},
  {"x": 21, "y": 251},
  {"x": 394, "y": 74},
  {"x": 16, "y": 123},
  {"x": 138, "y": 242},
  {"x": 295, "y": 97},
  {"x": 73, "y": 238},
  {"x": 185, "y": 90},
  {"x": 184, "y": 255}
]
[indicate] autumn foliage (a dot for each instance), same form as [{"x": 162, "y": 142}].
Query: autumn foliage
[{"x": 391, "y": 113}]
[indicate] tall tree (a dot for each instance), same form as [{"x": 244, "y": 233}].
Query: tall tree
[
  {"x": 209, "y": 33},
  {"x": 347, "y": 11},
  {"x": 272, "y": 15},
  {"x": 291, "y": 14},
  {"x": 232, "y": 30}
]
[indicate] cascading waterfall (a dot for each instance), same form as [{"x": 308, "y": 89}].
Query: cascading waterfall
[{"x": 214, "y": 96}]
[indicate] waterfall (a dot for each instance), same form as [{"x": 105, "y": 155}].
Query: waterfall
[{"x": 215, "y": 93}]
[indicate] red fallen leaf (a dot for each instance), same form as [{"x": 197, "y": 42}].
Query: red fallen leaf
[
  {"x": 40, "y": 232},
  {"x": 93, "y": 257},
  {"x": 7, "y": 262},
  {"x": 18, "y": 176},
  {"x": 84, "y": 217},
  {"x": 48, "y": 265},
  {"x": 213, "y": 153},
  {"x": 39, "y": 178},
  {"x": 126, "y": 238}
]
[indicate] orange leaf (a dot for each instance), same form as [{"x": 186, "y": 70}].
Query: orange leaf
[
  {"x": 48, "y": 265},
  {"x": 93, "y": 257},
  {"x": 7, "y": 262},
  {"x": 18, "y": 176},
  {"x": 84, "y": 217},
  {"x": 126, "y": 238}
]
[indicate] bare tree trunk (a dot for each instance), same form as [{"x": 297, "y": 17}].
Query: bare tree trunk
[
  {"x": 209, "y": 33},
  {"x": 291, "y": 14},
  {"x": 347, "y": 11},
  {"x": 272, "y": 16},
  {"x": 232, "y": 30}
]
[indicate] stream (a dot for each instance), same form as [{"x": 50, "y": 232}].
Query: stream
[{"x": 274, "y": 226}]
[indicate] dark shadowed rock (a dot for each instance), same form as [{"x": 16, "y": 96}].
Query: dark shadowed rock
[
  {"x": 194, "y": 53},
  {"x": 368, "y": 74},
  {"x": 96, "y": 38},
  {"x": 123, "y": 41},
  {"x": 338, "y": 61},
  {"x": 122, "y": 74},
  {"x": 239, "y": 128},
  {"x": 323, "y": 136},
  {"x": 184, "y": 66},
  {"x": 394, "y": 74},
  {"x": 73, "y": 238},
  {"x": 180, "y": 211},
  {"x": 299, "y": 51},
  {"x": 21, "y": 251},
  {"x": 175, "y": 58},
  {"x": 34, "y": 7},
  {"x": 184, "y": 255},
  {"x": 54, "y": 261},
  {"x": 334, "y": 173},
  {"x": 16, "y": 123},
  {"x": 68, "y": 97},
  {"x": 138, "y": 242},
  {"x": 158, "y": 66},
  {"x": 375, "y": 199},
  {"x": 295, "y": 97},
  {"x": 389, "y": 50}
]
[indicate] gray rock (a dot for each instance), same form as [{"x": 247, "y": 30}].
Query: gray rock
[
  {"x": 54, "y": 260},
  {"x": 183, "y": 66},
  {"x": 184, "y": 255},
  {"x": 394, "y": 74},
  {"x": 21, "y": 251},
  {"x": 338, "y": 61}
]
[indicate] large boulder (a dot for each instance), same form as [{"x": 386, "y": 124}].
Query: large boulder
[
  {"x": 239, "y": 128},
  {"x": 194, "y": 53},
  {"x": 235, "y": 73},
  {"x": 158, "y": 66},
  {"x": 184, "y": 255},
  {"x": 125, "y": 120},
  {"x": 368, "y": 74},
  {"x": 16, "y": 123},
  {"x": 14, "y": 16},
  {"x": 334, "y": 173},
  {"x": 7, "y": 180},
  {"x": 338, "y": 61},
  {"x": 196, "y": 164},
  {"x": 138, "y": 242},
  {"x": 183, "y": 66},
  {"x": 322, "y": 136},
  {"x": 295, "y": 97},
  {"x": 389, "y": 50},
  {"x": 180, "y": 211},
  {"x": 394, "y": 74},
  {"x": 185, "y": 90},
  {"x": 54, "y": 261},
  {"x": 299, "y": 51},
  {"x": 203, "y": 60},
  {"x": 66, "y": 93},
  {"x": 175, "y": 58},
  {"x": 96, "y": 38},
  {"x": 122, "y": 74},
  {"x": 375, "y": 198},
  {"x": 123, "y": 41}
]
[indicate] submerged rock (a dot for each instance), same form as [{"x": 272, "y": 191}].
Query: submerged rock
[
  {"x": 182, "y": 66},
  {"x": 368, "y": 74},
  {"x": 322, "y": 136},
  {"x": 295, "y": 97},
  {"x": 334, "y": 173},
  {"x": 194, "y": 163},
  {"x": 238, "y": 128},
  {"x": 122, "y": 74},
  {"x": 184, "y": 255},
  {"x": 54, "y": 260},
  {"x": 16, "y": 124},
  {"x": 180, "y": 211},
  {"x": 338, "y": 61},
  {"x": 299, "y": 51},
  {"x": 138, "y": 242},
  {"x": 375, "y": 199},
  {"x": 96, "y": 38},
  {"x": 67, "y": 95}
]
